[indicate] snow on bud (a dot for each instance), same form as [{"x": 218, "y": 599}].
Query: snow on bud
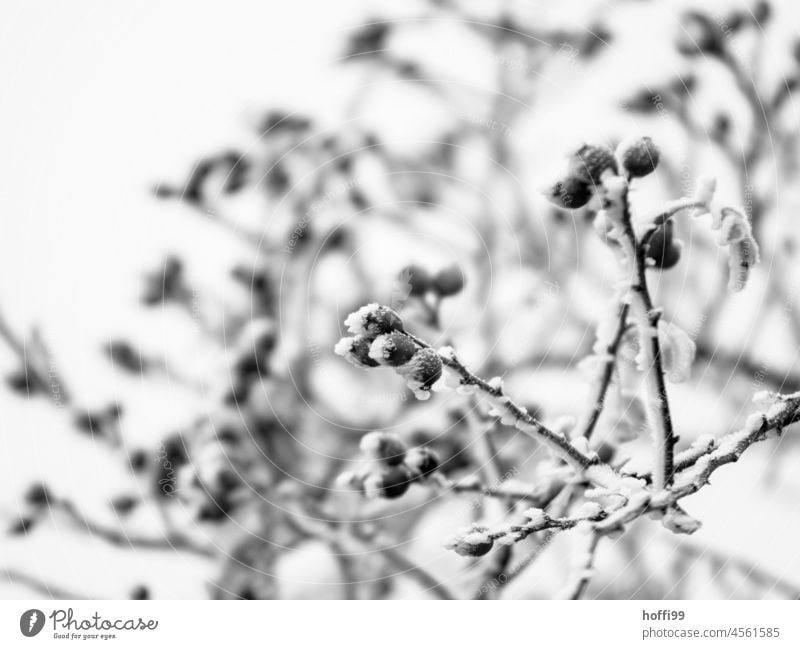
[
  {"x": 639, "y": 156},
  {"x": 417, "y": 278},
  {"x": 704, "y": 194},
  {"x": 373, "y": 320},
  {"x": 473, "y": 541},
  {"x": 743, "y": 256},
  {"x": 591, "y": 162},
  {"x": 390, "y": 482},
  {"x": 736, "y": 233},
  {"x": 355, "y": 350},
  {"x": 350, "y": 480},
  {"x": 678, "y": 521},
  {"x": 764, "y": 398},
  {"x": 677, "y": 351},
  {"x": 589, "y": 509},
  {"x": 447, "y": 353},
  {"x": 422, "y": 461},
  {"x": 392, "y": 349},
  {"x": 384, "y": 447},
  {"x": 536, "y": 517},
  {"x": 421, "y": 372},
  {"x": 733, "y": 227}
]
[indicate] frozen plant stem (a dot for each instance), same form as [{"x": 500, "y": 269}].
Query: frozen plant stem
[
  {"x": 608, "y": 372},
  {"x": 526, "y": 423},
  {"x": 583, "y": 569},
  {"x": 646, "y": 317}
]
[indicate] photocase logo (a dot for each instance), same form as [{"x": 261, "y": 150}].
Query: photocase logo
[{"x": 31, "y": 622}]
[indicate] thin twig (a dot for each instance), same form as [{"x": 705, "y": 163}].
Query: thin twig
[
  {"x": 608, "y": 372},
  {"x": 47, "y": 590},
  {"x": 526, "y": 423},
  {"x": 647, "y": 318},
  {"x": 536, "y": 495},
  {"x": 173, "y": 541},
  {"x": 583, "y": 571}
]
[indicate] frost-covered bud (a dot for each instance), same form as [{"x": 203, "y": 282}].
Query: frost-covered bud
[
  {"x": 472, "y": 542},
  {"x": 384, "y": 447},
  {"x": 663, "y": 250},
  {"x": 677, "y": 350},
  {"x": 743, "y": 256},
  {"x": 704, "y": 194},
  {"x": 355, "y": 350},
  {"x": 422, "y": 371},
  {"x": 373, "y": 320},
  {"x": 38, "y": 495},
  {"x": 392, "y": 349},
  {"x": 570, "y": 193},
  {"x": 418, "y": 279},
  {"x": 678, "y": 521},
  {"x": 390, "y": 482},
  {"x": 590, "y": 162},
  {"x": 422, "y": 461},
  {"x": 639, "y": 156},
  {"x": 735, "y": 231},
  {"x": 350, "y": 480},
  {"x": 448, "y": 281}
]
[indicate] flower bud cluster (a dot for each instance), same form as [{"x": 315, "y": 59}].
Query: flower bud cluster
[
  {"x": 391, "y": 466},
  {"x": 380, "y": 340}
]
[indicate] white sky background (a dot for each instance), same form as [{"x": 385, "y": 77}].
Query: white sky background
[{"x": 99, "y": 101}]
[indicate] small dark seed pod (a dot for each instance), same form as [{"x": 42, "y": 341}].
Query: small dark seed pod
[
  {"x": 422, "y": 461},
  {"x": 423, "y": 370},
  {"x": 384, "y": 447},
  {"x": 639, "y": 156},
  {"x": 419, "y": 280},
  {"x": 448, "y": 281},
  {"x": 571, "y": 193},
  {"x": 356, "y": 350},
  {"x": 662, "y": 247},
  {"x": 590, "y": 162},
  {"x": 393, "y": 482},
  {"x": 393, "y": 349}
]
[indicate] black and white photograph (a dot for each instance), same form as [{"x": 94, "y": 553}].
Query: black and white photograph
[{"x": 412, "y": 301}]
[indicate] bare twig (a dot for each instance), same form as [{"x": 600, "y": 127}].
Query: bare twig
[
  {"x": 45, "y": 589},
  {"x": 582, "y": 569},
  {"x": 608, "y": 372},
  {"x": 525, "y": 422},
  {"x": 172, "y": 541},
  {"x": 646, "y": 318}
]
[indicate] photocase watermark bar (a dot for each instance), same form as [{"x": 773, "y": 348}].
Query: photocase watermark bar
[{"x": 400, "y": 624}]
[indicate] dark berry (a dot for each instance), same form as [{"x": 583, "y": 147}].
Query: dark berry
[
  {"x": 424, "y": 369},
  {"x": 662, "y": 247},
  {"x": 385, "y": 447},
  {"x": 419, "y": 280},
  {"x": 571, "y": 193},
  {"x": 38, "y": 495},
  {"x": 124, "y": 504},
  {"x": 590, "y": 162},
  {"x": 140, "y": 592},
  {"x": 394, "y": 481},
  {"x": 394, "y": 349},
  {"x": 422, "y": 461},
  {"x": 448, "y": 281},
  {"x": 639, "y": 156}
]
